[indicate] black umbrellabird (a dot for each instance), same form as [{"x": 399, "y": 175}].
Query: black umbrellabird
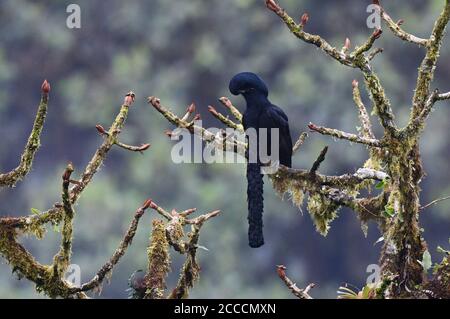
[{"x": 260, "y": 114}]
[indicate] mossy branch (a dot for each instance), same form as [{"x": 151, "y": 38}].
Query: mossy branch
[
  {"x": 172, "y": 234},
  {"x": 158, "y": 262},
  {"x": 61, "y": 261},
  {"x": 396, "y": 29},
  {"x": 356, "y": 59},
  {"x": 26, "y": 161},
  {"x": 428, "y": 65}
]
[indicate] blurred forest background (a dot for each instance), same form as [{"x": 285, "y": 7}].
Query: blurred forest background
[{"x": 184, "y": 51}]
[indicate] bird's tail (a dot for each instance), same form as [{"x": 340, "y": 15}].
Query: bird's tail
[{"x": 255, "y": 201}]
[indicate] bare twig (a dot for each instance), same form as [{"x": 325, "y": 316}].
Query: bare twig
[
  {"x": 131, "y": 148},
  {"x": 299, "y": 293},
  {"x": 301, "y": 139},
  {"x": 319, "y": 160},
  {"x": 443, "y": 96},
  {"x": 436, "y": 201},
  {"x": 374, "y": 53}
]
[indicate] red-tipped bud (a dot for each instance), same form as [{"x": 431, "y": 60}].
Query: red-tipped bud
[
  {"x": 153, "y": 205},
  {"x": 377, "y": 33},
  {"x": 197, "y": 117},
  {"x": 147, "y": 204},
  {"x": 212, "y": 110},
  {"x": 355, "y": 84},
  {"x": 377, "y": 2},
  {"x": 400, "y": 22},
  {"x": 144, "y": 147},
  {"x": 272, "y": 5},
  {"x": 101, "y": 130},
  {"x": 304, "y": 19},
  {"x": 155, "y": 102},
  {"x": 347, "y": 44},
  {"x": 191, "y": 108},
  {"x": 281, "y": 270},
  {"x": 45, "y": 88},
  {"x": 226, "y": 101},
  {"x": 68, "y": 172},
  {"x": 312, "y": 127},
  {"x": 129, "y": 98}
]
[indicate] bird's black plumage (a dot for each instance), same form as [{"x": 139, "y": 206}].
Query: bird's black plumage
[{"x": 260, "y": 113}]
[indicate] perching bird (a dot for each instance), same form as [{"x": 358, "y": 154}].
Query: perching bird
[{"x": 260, "y": 113}]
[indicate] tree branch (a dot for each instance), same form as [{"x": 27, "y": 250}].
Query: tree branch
[
  {"x": 345, "y": 136},
  {"x": 131, "y": 148},
  {"x": 428, "y": 65},
  {"x": 297, "y": 30},
  {"x": 225, "y": 120},
  {"x": 219, "y": 142},
  {"x": 61, "y": 261},
  {"x": 399, "y": 32},
  {"x": 364, "y": 118},
  {"x": 26, "y": 160},
  {"x": 233, "y": 110},
  {"x": 299, "y": 293},
  {"x": 300, "y": 141}
]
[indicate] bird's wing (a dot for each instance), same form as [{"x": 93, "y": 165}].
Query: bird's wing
[{"x": 274, "y": 117}]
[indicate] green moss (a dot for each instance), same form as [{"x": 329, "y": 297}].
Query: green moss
[
  {"x": 158, "y": 262},
  {"x": 322, "y": 211}
]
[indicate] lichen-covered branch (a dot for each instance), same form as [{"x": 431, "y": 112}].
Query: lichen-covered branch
[
  {"x": 300, "y": 141},
  {"x": 26, "y": 160},
  {"x": 225, "y": 120},
  {"x": 357, "y": 59},
  {"x": 233, "y": 110},
  {"x": 298, "y": 30},
  {"x": 345, "y": 136},
  {"x": 61, "y": 261},
  {"x": 366, "y": 125},
  {"x": 428, "y": 65},
  {"x": 368, "y": 44},
  {"x": 396, "y": 29},
  {"x": 443, "y": 96},
  {"x": 219, "y": 141}
]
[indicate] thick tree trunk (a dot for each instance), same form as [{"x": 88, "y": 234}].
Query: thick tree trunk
[{"x": 404, "y": 245}]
